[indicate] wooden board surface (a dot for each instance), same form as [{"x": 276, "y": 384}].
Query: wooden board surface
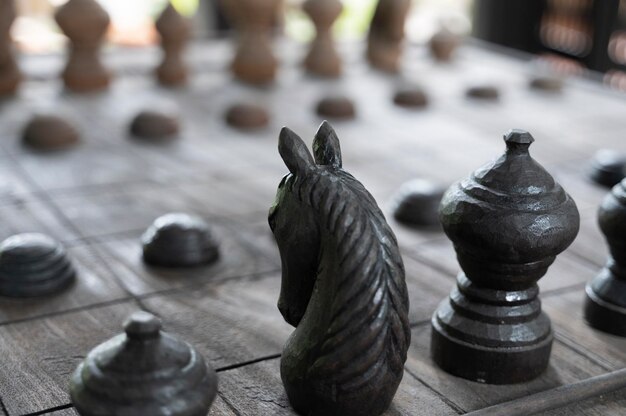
[{"x": 99, "y": 197}]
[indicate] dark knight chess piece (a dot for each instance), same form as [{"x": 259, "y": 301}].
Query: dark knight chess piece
[
  {"x": 9, "y": 73},
  {"x": 142, "y": 372},
  {"x": 605, "y": 308},
  {"x": 343, "y": 285},
  {"x": 386, "y": 34},
  {"x": 175, "y": 31},
  {"x": 322, "y": 58},
  {"x": 508, "y": 222}
]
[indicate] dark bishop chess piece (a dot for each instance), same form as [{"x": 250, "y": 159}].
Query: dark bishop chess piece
[
  {"x": 84, "y": 22},
  {"x": 143, "y": 372},
  {"x": 343, "y": 285},
  {"x": 254, "y": 60},
  {"x": 9, "y": 73},
  {"x": 175, "y": 31},
  {"x": 508, "y": 222},
  {"x": 386, "y": 34},
  {"x": 605, "y": 308},
  {"x": 323, "y": 58}
]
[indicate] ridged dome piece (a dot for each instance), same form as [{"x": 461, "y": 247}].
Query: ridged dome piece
[
  {"x": 143, "y": 372},
  {"x": 33, "y": 265},
  {"x": 508, "y": 222},
  {"x": 179, "y": 240}
]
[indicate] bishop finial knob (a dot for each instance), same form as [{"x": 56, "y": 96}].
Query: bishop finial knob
[{"x": 142, "y": 325}]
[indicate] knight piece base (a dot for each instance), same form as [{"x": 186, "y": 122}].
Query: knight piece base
[
  {"x": 491, "y": 365},
  {"x": 603, "y": 315}
]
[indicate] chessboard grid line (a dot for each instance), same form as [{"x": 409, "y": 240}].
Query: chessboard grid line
[
  {"x": 451, "y": 404},
  {"x": 566, "y": 341},
  {"x": 3, "y": 408},
  {"x": 50, "y": 410},
  {"x": 229, "y": 404}
]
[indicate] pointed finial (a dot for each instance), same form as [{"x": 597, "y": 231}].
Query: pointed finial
[
  {"x": 517, "y": 139},
  {"x": 142, "y": 325}
]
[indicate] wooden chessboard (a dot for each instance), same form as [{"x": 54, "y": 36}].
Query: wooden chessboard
[{"x": 99, "y": 197}]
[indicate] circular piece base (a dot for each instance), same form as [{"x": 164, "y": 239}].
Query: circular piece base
[
  {"x": 336, "y": 107},
  {"x": 491, "y": 365},
  {"x": 247, "y": 116},
  {"x": 603, "y": 315}
]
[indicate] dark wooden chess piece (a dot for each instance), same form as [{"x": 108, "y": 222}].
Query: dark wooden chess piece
[
  {"x": 386, "y": 34},
  {"x": 246, "y": 116},
  {"x": 343, "y": 285},
  {"x": 443, "y": 44},
  {"x": 322, "y": 58},
  {"x": 410, "y": 96},
  {"x": 608, "y": 167},
  {"x": 179, "y": 240},
  {"x": 49, "y": 132},
  {"x": 417, "y": 203},
  {"x": 336, "y": 107},
  {"x": 175, "y": 31},
  {"x": 153, "y": 124},
  {"x": 84, "y": 22},
  {"x": 483, "y": 92},
  {"x": 33, "y": 265},
  {"x": 605, "y": 307},
  {"x": 254, "y": 60},
  {"x": 546, "y": 83},
  {"x": 9, "y": 72},
  {"x": 508, "y": 222},
  {"x": 142, "y": 372}
]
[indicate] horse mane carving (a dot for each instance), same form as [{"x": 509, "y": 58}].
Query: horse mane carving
[{"x": 343, "y": 285}]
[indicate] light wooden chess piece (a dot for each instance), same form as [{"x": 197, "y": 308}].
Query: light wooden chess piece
[
  {"x": 84, "y": 22},
  {"x": 323, "y": 58},
  {"x": 254, "y": 60},
  {"x": 9, "y": 72},
  {"x": 175, "y": 31},
  {"x": 384, "y": 41}
]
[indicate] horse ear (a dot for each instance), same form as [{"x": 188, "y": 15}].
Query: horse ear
[
  {"x": 292, "y": 149},
  {"x": 326, "y": 146}
]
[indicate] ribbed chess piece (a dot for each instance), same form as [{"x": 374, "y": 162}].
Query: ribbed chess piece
[
  {"x": 386, "y": 34},
  {"x": 175, "y": 31},
  {"x": 84, "y": 22},
  {"x": 508, "y": 221},
  {"x": 9, "y": 73},
  {"x": 605, "y": 308},
  {"x": 322, "y": 58}
]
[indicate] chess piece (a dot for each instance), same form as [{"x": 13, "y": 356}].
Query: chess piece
[
  {"x": 33, "y": 265},
  {"x": 605, "y": 307},
  {"x": 179, "y": 240},
  {"x": 608, "y": 167},
  {"x": 9, "y": 72},
  {"x": 247, "y": 116},
  {"x": 153, "y": 124},
  {"x": 343, "y": 285},
  {"x": 547, "y": 83},
  {"x": 254, "y": 61},
  {"x": 483, "y": 92},
  {"x": 410, "y": 97},
  {"x": 84, "y": 22},
  {"x": 322, "y": 58},
  {"x": 508, "y": 221},
  {"x": 49, "y": 132},
  {"x": 143, "y": 371},
  {"x": 443, "y": 44},
  {"x": 417, "y": 203},
  {"x": 175, "y": 31},
  {"x": 337, "y": 107},
  {"x": 386, "y": 34}
]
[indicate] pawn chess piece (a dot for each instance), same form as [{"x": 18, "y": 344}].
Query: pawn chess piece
[
  {"x": 246, "y": 116},
  {"x": 508, "y": 222},
  {"x": 417, "y": 203},
  {"x": 410, "y": 96},
  {"x": 9, "y": 72},
  {"x": 49, "y": 132},
  {"x": 337, "y": 107},
  {"x": 608, "y": 167},
  {"x": 254, "y": 61},
  {"x": 605, "y": 307},
  {"x": 84, "y": 22},
  {"x": 343, "y": 285},
  {"x": 386, "y": 34},
  {"x": 155, "y": 125},
  {"x": 443, "y": 44},
  {"x": 143, "y": 371},
  {"x": 33, "y": 265},
  {"x": 175, "y": 31},
  {"x": 179, "y": 240},
  {"x": 322, "y": 58}
]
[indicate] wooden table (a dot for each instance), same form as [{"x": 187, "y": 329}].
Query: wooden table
[{"x": 98, "y": 198}]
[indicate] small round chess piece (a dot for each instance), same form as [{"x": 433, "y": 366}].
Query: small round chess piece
[
  {"x": 546, "y": 83},
  {"x": 153, "y": 124},
  {"x": 443, "y": 44},
  {"x": 33, "y": 265},
  {"x": 483, "y": 92},
  {"x": 10, "y": 75},
  {"x": 84, "y": 22},
  {"x": 179, "y": 240},
  {"x": 143, "y": 371},
  {"x": 608, "y": 167},
  {"x": 49, "y": 132},
  {"x": 386, "y": 34},
  {"x": 508, "y": 222},
  {"x": 417, "y": 203},
  {"x": 410, "y": 97},
  {"x": 605, "y": 306},
  {"x": 337, "y": 107},
  {"x": 322, "y": 58},
  {"x": 246, "y": 116},
  {"x": 175, "y": 31}
]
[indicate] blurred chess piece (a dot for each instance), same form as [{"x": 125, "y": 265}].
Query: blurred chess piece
[
  {"x": 84, "y": 22},
  {"x": 9, "y": 73},
  {"x": 175, "y": 31},
  {"x": 323, "y": 58},
  {"x": 443, "y": 44},
  {"x": 384, "y": 41}
]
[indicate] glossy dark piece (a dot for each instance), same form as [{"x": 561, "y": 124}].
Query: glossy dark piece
[
  {"x": 605, "y": 307},
  {"x": 608, "y": 167},
  {"x": 247, "y": 116},
  {"x": 49, "y": 132},
  {"x": 337, "y": 107},
  {"x": 179, "y": 240},
  {"x": 33, "y": 265},
  {"x": 417, "y": 203},
  {"x": 152, "y": 124},
  {"x": 143, "y": 372},
  {"x": 508, "y": 222},
  {"x": 343, "y": 285}
]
